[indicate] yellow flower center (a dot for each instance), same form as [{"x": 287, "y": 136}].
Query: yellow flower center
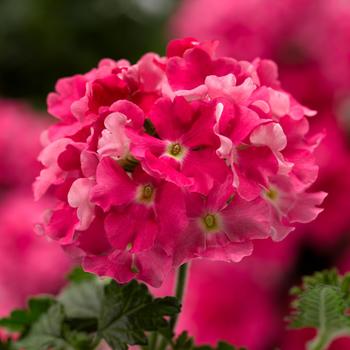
[
  {"x": 175, "y": 149},
  {"x": 145, "y": 194},
  {"x": 271, "y": 194},
  {"x": 210, "y": 223}
]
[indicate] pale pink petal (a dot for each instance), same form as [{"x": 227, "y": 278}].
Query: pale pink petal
[
  {"x": 79, "y": 197},
  {"x": 305, "y": 209},
  {"x": 279, "y": 102}
]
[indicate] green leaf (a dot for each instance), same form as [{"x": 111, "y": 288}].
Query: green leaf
[
  {"x": 220, "y": 346},
  {"x": 321, "y": 303},
  {"x": 225, "y": 346},
  {"x": 130, "y": 310},
  {"x": 78, "y": 275},
  {"x": 78, "y": 340},
  {"x": 82, "y": 299},
  {"x": 184, "y": 342},
  {"x": 6, "y": 345},
  {"x": 20, "y": 320},
  {"x": 47, "y": 332}
]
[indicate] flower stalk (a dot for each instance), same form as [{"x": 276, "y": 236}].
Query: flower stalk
[{"x": 179, "y": 293}]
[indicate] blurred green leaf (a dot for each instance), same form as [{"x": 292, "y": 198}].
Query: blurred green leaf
[
  {"x": 21, "y": 320},
  {"x": 82, "y": 298},
  {"x": 46, "y": 332}
]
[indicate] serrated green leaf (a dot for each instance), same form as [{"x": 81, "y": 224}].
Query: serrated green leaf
[
  {"x": 46, "y": 332},
  {"x": 321, "y": 307},
  {"x": 321, "y": 303},
  {"x": 185, "y": 342},
  {"x": 130, "y": 310},
  {"x": 226, "y": 346},
  {"x": 79, "y": 340},
  {"x": 21, "y": 320},
  {"x": 220, "y": 346},
  {"x": 82, "y": 299}
]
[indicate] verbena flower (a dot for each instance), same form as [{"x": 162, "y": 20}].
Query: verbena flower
[{"x": 174, "y": 158}]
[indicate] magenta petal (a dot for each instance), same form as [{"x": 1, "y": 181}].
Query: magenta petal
[
  {"x": 68, "y": 90},
  {"x": 141, "y": 143},
  {"x": 232, "y": 252},
  {"x": 62, "y": 224},
  {"x": 94, "y": 239},
  {"x": 119, "y": 227},
  {"x": 205, "y": 168},
  {"x": 151, "y": 75},
  {"x": 147, "y": 229},
  {"x": 134, "y": 225},
  {"x": 133, "y": 112},
  {"x": 114, "y": 186},
  {"x": 245, "y": 220},
  {"x": 116, "y": 265},
  {"x": 255, "y": 165},
  {"x": 164, "y": 168},
  {"x": 189, "y": 244},
  {"x": 171, "y": 118},
  {"x": 89, "y": 162},
  {"x": 189, "y": 71},
  {"x": 177, "y": 47},
  {"x": 170, "y": 204},
  {"x": 154, "y": 265}
]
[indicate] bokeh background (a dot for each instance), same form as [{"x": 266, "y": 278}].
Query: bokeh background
[{"x": 43, "y": 40}]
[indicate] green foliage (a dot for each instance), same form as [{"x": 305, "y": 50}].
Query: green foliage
[
  {"x": 46, "y": 332},
  {"x": 130, "y": 310},
  {"x": 6, "y": 345},
  {"x": 87, "y": 311},
  {"x": 83, "y": 297},
  {"x": 21, "y": 320},
  {"x": 322, "y": 303},
  {"x": 184, "y": 342}
]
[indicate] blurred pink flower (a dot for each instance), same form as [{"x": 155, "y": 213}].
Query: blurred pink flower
[
  {"x": 29, "y": 264},
  {"x": 20, "y": 129},
  {"x": 235, "y": 23},
  {"x": 302, "y": 36},
  {"x": 224, "y": 302},
  {"x": 333, "y": 157}
]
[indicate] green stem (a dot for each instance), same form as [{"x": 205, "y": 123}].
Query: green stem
[
  {"x": 321, "y": 342},
  {"x": 153, "y": 341},
  {"x": 179, "y": 293},
  {"x": 180, "y": 290}
]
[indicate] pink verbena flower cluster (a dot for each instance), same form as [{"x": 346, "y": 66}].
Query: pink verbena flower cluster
[{"x": 173, "y": 158}]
